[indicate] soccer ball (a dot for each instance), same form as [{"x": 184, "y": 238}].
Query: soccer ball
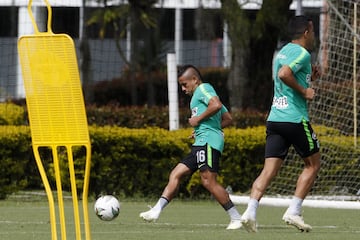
[{"x": 107, "y": 207}]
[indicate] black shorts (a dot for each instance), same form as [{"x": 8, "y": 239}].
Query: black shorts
[
  {"x": 281, "y": 135},
  {"x": 202, "y": 158}
]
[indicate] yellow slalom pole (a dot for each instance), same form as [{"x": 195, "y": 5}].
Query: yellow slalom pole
[
  {"x": 48, "y": 192},
  {"x": 73, "y": 191},
  {"x": 59, "y": 192},
  {"x": 86, "y": 190}
]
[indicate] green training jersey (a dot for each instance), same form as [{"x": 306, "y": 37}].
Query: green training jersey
[
  {"x": 209, "y": 130},
  {"x": 289, "y": 105}
]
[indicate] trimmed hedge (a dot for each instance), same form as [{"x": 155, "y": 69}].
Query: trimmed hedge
[
  {"x": 130, "y": 117},
  {"x": 134, "y": 162},
  {"x": 137, "y": 162},
  {"x": 130, "y": 162},
  {"x": 141, "y": 117},
  {"x": 16, "y": 169},
  {"x": 12, "y": 114}
]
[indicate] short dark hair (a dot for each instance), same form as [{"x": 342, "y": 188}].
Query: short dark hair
[
  {"x": 184, "y": 68},
  {"x": 297, "y": 26}
]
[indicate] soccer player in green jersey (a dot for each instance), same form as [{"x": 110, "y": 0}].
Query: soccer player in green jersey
[
  {"x": 288, "y": 123},
  {"x": 208, "y": 117}
]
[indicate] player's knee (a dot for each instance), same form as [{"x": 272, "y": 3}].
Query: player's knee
[
  {"x": 175, "y": 177},
  {"x": 317, "y": 167},
  {"x": 267, "y": 175},
  {"x": 208, "y": 183},
  {"x": 263, "y": 181},
  {"x": 313, "y": 163},
  {"x": 208, "y": 179},
  {"x": 205, "y": 182}
]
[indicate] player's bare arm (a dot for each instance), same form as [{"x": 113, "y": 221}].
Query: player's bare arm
[
  {"x": 286, "y": 75},
  {"x": 213, "y": 107},
  {"x": 226, "y": 119}
]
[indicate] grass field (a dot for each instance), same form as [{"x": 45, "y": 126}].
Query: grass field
[{"x": 22, "y": 219}]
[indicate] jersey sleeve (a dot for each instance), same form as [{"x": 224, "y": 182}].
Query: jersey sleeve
[
  {"x": 207, "y": 92},
  {"x": 223, "y": 109},
  {"x": 296, "y": 59}
]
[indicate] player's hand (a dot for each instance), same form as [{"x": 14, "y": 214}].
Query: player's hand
[
  {"x": 315, "y": 72},
  {"x": 194, "y": 121},
  {"x": 309, "y": 93}
]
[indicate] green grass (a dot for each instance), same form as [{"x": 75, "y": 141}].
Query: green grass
[{"x": 26, "y": 220}]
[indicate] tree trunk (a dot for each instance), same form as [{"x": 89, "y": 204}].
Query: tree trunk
[
  {"x": 133, "y": 58},
  {"x": 238, "y": 77},
  {"x": 85, "y": 60},
  {"x": 239, "y": 36},
  {"x": 253, "y": 44},
  {"x": 148, "y": 71},
  {"x": 268, "y": 28}
]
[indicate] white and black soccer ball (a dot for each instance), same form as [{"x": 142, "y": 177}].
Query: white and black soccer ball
[{"x": 107, "y": 207}]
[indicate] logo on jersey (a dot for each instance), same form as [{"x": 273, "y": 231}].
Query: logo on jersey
[
  {"x": 281, "y": 56},
  {"x": 280, "y": 103},
  {"x": 296, "y": 67},
  {"x": 194, "y": 111},
  {"x": 314, "y": 137}
]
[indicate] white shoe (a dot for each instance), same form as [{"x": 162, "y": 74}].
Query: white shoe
[
  {"x": 150, "y": 216},
  {"x": 234, "y": 224},
  {"x": 296, "y": 221},
  {"x": 250, "y": 225}
]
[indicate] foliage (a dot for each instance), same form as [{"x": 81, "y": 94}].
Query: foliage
[
  {"x": 133, "y": 117},
  {"x": 15, "y": 149},
  {"x": 140, "y": 117},
  {"x": 117, "y": 19},
  {"x": 11, "y": 114},
  {"x": 137, "y": 162},
  {"x": 134, "y": 161},
  {"x": 136, "y": 17},
  {"x": 268, "y": 29},
  {"x": 254, "y": 37},
  {"x": 243, "y": 156},
  {"x": 137, "y": 117}
]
